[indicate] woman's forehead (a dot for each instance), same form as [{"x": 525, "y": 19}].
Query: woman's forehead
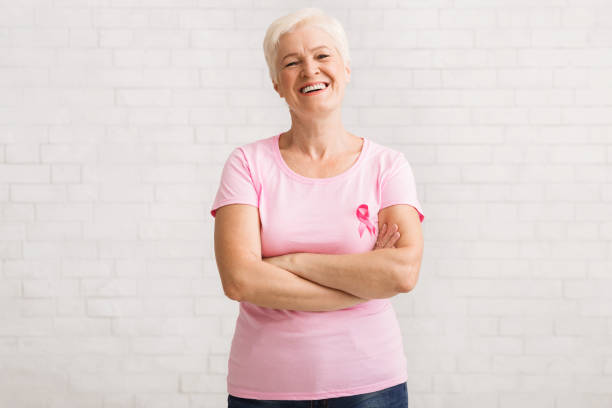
[{"x": 307, "y": 37}]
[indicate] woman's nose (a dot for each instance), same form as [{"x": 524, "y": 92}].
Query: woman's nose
[{"x": 310, "y": 67}]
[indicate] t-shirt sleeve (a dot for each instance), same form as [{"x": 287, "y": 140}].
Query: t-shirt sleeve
[
  {"x": 236, "y": 185},
  {"x": 398, "y": 186}
]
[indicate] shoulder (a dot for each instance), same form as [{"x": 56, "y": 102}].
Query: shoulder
[
  {"x": 385, "y": 157},
  {"x": 248, "y": 154},
  {"x": 258, "y": 149}
]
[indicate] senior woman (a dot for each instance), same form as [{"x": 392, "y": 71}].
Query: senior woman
[{"x": 297, "y": 240}]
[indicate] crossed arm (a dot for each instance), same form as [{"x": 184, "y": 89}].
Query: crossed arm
[
  {"x": 324, "y": 282},
  {"x": 368, "y": 275},
  {"x": 273, "y": 285}
]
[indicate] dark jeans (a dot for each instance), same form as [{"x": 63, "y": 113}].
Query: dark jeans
[{"x": 392, "y": 397}]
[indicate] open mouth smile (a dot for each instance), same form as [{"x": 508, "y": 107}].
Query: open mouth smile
[{"x": 314, "y": 89}]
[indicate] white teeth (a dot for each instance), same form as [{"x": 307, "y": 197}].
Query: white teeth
[{"x": 312, "y": 87}]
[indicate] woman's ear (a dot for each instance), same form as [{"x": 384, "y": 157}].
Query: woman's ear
[
  {"x": 348, "y": 73},
  {"x": 276, "y": 89}
]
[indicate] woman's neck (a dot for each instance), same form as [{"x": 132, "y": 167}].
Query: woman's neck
[{"x": 317, "y": 139}]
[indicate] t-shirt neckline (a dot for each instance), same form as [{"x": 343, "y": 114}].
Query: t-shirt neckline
[{"x": 293, "y": 174}]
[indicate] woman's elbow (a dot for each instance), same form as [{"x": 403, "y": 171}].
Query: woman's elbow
[{"x": 408, "y": 276}]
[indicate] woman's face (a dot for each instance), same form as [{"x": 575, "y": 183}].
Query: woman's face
[{"x": 306, "y": 64}]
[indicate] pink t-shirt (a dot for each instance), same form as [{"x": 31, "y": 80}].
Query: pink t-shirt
[{"x": 279, "y": 354}]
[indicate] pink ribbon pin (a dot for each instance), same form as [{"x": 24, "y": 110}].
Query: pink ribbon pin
[{"x": 363, "y": 215}]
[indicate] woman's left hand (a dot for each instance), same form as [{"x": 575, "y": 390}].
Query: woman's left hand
[{"x": 387, "y": 237}]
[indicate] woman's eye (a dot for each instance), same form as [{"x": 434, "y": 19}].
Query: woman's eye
[{"x": 320, "y": 57}]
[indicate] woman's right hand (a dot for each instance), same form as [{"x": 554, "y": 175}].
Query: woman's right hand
[{"x": 387, "y": 237}]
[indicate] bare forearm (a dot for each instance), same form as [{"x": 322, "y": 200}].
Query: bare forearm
[
  {"x": 271, "y": 286},
  {"x": 368, "y": 275}
]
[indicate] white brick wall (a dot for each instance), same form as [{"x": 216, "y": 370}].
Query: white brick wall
[{"x": 116, "y": 117}]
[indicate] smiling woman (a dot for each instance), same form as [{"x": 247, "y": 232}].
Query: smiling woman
[
  {"x": 313, "y": 18},
  {"x": 297, "y": 240},
  {"x": 309, "y": 56}
]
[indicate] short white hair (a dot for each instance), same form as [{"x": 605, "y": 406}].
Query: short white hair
[{"x": 307, "y": 16}]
